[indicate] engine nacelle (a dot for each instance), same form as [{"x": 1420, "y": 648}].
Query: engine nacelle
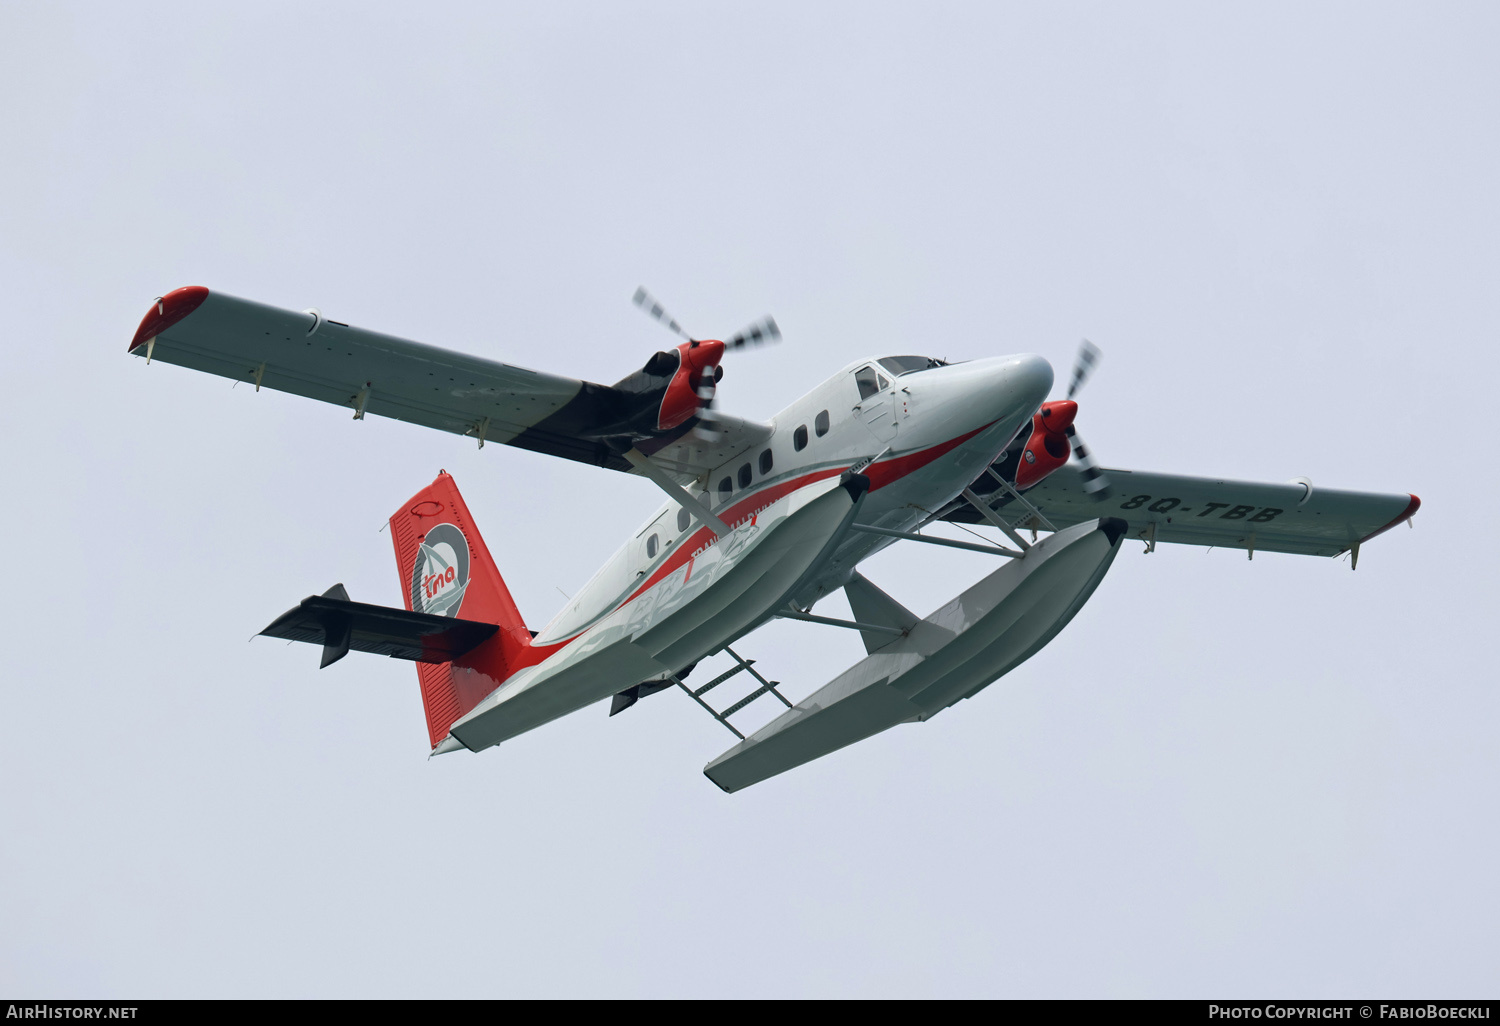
[
  {"x": 1048, "y": 447},
  {"x": 692, "y": 385}
]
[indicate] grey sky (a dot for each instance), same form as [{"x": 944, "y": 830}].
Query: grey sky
[{"x": 1267, "y": 778}]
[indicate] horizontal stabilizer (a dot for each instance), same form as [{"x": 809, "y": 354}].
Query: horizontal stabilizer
[{"x": 339, "y": 625}]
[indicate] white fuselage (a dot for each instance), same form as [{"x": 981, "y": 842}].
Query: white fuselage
[{"x": 676, "y": 592}]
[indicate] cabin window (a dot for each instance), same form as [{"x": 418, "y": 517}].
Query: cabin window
[
  {"x": 868, "y": 382},
  {"x": 765, "y": 462},
  {"x": 683, "y": 519},
  {"x": 799, "y": 437},
  {"x": 745, "y": 476},
  {"x": 651, "y": 547},
  {"x": 725, "y": 487},
  {"x": 820, "y": 424}
]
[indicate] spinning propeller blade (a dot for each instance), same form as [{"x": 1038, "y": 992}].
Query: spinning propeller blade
[
  {"x": 707, "y": 427},
  {"x": 653, "y": 308},
  {"x": 1095, "y": 483},
  {"x": 1083, "y": 366},
  {"x": 759, "y": 333}
]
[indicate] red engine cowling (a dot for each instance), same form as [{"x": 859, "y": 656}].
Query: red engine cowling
[
  {"x": 697, "y": 371},
  {"x": 1048, "y": 447}
]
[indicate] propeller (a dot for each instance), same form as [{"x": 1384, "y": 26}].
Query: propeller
[
  {"x": 653, "y": 308},
  {"x": 707, "y": 427},
  {"x": 758, "y": 333},
  {"x": 1083, "y": 366},
  {"x": 1095, "y": 483}
]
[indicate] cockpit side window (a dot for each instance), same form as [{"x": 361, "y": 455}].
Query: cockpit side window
[{"x": 868, "y": 382}]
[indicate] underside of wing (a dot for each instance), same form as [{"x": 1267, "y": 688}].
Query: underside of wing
[
  {"x": 689, "y": 456},
  {"x": 371, "y": 373},
  {"x": 1293, "y": 517}
]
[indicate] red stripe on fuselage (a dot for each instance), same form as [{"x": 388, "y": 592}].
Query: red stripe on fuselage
[
  {"x": 880, "y": 475},
  {"x": 893, "y": 470},
  {"x": 746, "y": 508}
]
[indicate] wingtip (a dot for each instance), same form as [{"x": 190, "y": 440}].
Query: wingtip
[
  {"x": 167, "y": 311},
  {"x": 1410, "y": 511}
]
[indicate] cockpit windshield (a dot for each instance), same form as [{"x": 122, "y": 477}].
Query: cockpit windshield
[{"x": 899, "y": 365}]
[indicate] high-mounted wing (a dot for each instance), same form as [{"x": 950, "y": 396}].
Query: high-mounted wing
[
  {"x": 369, "y": 372},
  {"x": 1293, "y": 517}
]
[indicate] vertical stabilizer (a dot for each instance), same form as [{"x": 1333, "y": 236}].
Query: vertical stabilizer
[{"x": 447, "y": 570}]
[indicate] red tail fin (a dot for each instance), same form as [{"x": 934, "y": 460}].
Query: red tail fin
[{"x": 446, "y": 569}]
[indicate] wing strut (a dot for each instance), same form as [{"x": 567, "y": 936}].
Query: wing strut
[
  {"x": 994, "y": 550},
  {"x": 659, "y": 477},
  {"x": 853, "y": 625}
]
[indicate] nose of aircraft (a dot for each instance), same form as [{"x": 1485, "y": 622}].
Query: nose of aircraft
[
  {"x": 1011, "y": 387},
  {"x": 1030, "y": 376},
  {"x": 1001, "y": 391}
]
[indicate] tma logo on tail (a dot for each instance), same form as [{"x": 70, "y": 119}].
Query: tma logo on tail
[{"x": 441, "y": 572}]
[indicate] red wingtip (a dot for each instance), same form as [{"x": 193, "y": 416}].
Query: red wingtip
[
  {"x": 167, "y": 311},
  {"x": 1411, "y": 511}
]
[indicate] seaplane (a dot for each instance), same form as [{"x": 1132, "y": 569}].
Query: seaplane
[{"x": 760, "y": 521}]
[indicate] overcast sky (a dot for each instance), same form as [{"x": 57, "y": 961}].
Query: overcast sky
[{"x": 1272, "y": 778}]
